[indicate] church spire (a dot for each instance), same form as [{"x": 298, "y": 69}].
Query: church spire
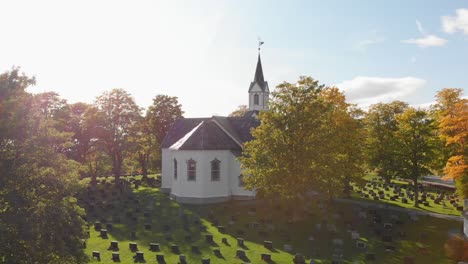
[{"x": 258, "y": 78}]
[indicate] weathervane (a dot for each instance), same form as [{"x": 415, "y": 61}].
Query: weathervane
[{"x": 260, "y": 43}]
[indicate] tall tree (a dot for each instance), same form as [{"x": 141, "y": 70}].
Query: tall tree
[
  {"x": 37, "y": 180},
  {"x": 415, "y": 141},
  {"x": 348, "y": 133},
  {"x": 144, "y": 145},
  {"x": 160, "y": 116},
  {"x": 381, "y": 125},
  {"x": 116, "y": 113},
  {"x": 453, "y": 126},
  {"x": 240, "y": 111},
  {"x": 295, "y": 150}
]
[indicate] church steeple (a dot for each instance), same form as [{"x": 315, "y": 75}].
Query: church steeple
[
  {"x": 258, "y": 91},
  {"x": 259, "y": 71}
]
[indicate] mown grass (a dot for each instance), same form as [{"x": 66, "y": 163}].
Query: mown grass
[
  {"x": 274, "y": 224},
  {"x": 446, "y": 209}
]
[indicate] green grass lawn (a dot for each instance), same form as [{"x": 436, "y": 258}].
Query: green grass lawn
[
  {"x": 446, "y": 209},
  {"x": 271, "y": 223}
]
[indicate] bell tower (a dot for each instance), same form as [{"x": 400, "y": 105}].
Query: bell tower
[{"x": 259, "y": 92}]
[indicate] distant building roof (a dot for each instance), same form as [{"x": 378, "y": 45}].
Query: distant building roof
[{"x": 215, "y": 133}]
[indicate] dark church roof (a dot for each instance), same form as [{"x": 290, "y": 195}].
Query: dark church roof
[
  {"x": 258, "y": 78},
  {"x": 215, "y": 133}
]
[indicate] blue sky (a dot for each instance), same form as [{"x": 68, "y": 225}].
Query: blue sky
[{"x": 204, "y": 52}]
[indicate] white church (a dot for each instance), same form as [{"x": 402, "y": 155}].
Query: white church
[{"x": 199, "y": 155}]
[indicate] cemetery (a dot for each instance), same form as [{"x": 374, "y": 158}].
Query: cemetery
[
  {"x": 401, "y": 193},
  {"x": 136, "y": 223}
]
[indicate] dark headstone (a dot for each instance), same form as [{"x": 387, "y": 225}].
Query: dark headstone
[
  {"x": 115, "y": 256},
  {"x": 265, "y": 257},
  {"x": 299, "y": 259},
  {"x": 103, "y": 233},
  {"x": 205, "y": 261},
  {"x": 147, "y": 227},
  {"x": 139, "y": 257},
  {"x": 114, "y": 246},
  {"x": 97, "y": 226},
  {"x": 240, "y": 253},
  {"x": 224, "y": 240},
  {"x": 209, "y": 238},
  {"x": 268, "y": 244},
  {"x": 240, "y": 242},
  {"x": 182, "y": 259},
  {"x": 154, "y": 247},
  {"x": 97, "y": 255},
  {"x": 175, "y": 249},
  {"x": 160, "y": 258},
  {"x": 133, "y": 246}
]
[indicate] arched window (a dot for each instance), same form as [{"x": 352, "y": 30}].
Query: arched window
[
  {"x": 241, "y": 181},
  {"x": 215, "y": 170},
  {"x": 191, "y": 170},
  {"x": 256, "y": 99},
  {"x": 175, "y": 169}
]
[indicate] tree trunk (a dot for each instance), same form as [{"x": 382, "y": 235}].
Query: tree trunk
[{"x": 416, "y": 192}]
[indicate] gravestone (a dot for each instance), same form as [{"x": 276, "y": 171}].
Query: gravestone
[
  {"x": 97, "y": 255},
  {"x": 103, "y": 233},
  {"x": 240, "y": 254},
  {"x": 154, "y": 247},
  {"x": 115, "y": 256},
  {"x": 114, "y": 246},
  {"x": 147, "y": 227},
  {"x": 209, "y": 238},
  {"x": 205, "y": 261},
  {"x": 240, "y": 242},
  {"x": 299, "y": 259},
  {"x": 268, "y": 244},
  {"x": 133, "y": 246},
  {"x": 97, "y": 226},
  {"x": 265, "y": 257},
  {"x": 139, "y": 257},
  {"x": 160, "y": 258},
  {"x": 175, "y": 249},
  {"x": 182, "y": 259}
]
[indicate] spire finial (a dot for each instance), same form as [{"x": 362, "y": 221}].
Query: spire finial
[{"x": 260, "y": 43}]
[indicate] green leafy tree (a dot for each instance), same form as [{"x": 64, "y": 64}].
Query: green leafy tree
[
  {"x": 381, "y": 125},
  {"x": 159, "y": 118},
  {"x": 116, "y": 115},
  {"x": 37, "y": 181},
  {"x": 415, "y": 141},
  {"x": 295, "y": 149}
]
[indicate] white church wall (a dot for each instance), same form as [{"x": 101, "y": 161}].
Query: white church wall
[
  {"x": 166, "y": 179},
  {"x": 203, "y": 186},
  {"x": 237, "y": 190}
]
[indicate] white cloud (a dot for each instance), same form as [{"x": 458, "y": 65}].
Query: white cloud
[
  {"x": 427, "y": 40},
  {"x": 459, "y": 22},
  {"x": 420, "y": 27},
  {"x": 365, "y": 91}
]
